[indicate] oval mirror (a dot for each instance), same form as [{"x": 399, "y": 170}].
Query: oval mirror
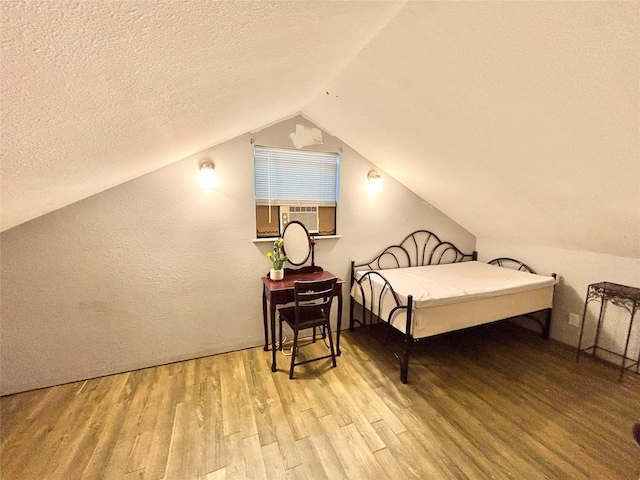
[{"x": 297, "y": 243}]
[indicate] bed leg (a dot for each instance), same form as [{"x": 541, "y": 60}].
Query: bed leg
[
  {"x": 408, "y": 343},
  {"x": 351, "y": 298},
  {"x": 404, "y": 368},
  {"x": 547, "y": 324},
  {"x": 351, "y": 313}
]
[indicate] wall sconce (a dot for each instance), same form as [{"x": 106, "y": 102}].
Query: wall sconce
[
  {"x": 375, "y": 181},
  {"x": 207, "y": 177}
]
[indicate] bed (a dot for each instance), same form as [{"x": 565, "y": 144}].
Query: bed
[{"x": 424, "y": 287}]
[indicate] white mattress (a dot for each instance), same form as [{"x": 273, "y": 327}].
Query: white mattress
[
  {"x": 456, "y": 282},
  {"x": 457, "y": 295}
]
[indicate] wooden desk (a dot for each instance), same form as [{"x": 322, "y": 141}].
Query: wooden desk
[{"x": 281, "y": 291}]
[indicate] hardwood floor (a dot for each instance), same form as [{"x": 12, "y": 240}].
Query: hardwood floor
[{"x": 493, "y": 402}]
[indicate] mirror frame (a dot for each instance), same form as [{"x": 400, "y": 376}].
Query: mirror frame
[{"x": 311, "y": 244}]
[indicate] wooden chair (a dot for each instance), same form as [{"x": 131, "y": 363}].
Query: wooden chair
[{"x": 312, "y": 309}]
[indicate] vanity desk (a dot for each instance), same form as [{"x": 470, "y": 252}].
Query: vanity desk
[
  {"x": 299, "y": 248},
  {"x": 279, "y": 292}
]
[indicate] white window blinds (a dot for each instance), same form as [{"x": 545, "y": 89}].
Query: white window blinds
[{"x": 285, "y": 177}]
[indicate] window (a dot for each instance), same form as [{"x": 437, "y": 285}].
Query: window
[{"x": 295, "y": 185}]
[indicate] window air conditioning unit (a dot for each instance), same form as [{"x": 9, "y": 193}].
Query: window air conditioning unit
[{"x": 305, "y": 214}]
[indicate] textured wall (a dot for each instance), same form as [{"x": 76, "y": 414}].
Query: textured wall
[{"x": 157, "y": 270}]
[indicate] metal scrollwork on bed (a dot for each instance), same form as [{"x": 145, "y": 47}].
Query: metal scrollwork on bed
[
  {"x": 506, "y": 262},
  {"x": 420, "y": 248},
  {"x": 375, "y": 316},
  {"x": 511, "y": 263}
]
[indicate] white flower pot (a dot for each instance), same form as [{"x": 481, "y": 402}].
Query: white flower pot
[{"x": 276, "y": 274}]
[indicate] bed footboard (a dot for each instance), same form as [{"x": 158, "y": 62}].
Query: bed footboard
[
  {"x": 545, "y": 320},
  {"x": 373, "y": 314},
  {"x": 419, "y": 248}
]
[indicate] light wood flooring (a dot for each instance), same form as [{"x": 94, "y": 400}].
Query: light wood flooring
[{"x": 492, "y": 402}]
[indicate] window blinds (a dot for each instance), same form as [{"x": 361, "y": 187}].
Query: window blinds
[{"x": 286, "y": 177}]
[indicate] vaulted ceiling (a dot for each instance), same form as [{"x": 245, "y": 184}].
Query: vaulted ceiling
[{"x": 519, "y": 120}]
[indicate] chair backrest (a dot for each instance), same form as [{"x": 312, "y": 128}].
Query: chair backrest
[{"x": 314, "y": 298}]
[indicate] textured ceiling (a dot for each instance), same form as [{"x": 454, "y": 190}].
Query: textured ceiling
[
  {"x": 97, "y": 93},
  {"x": 519, "y": 120}
]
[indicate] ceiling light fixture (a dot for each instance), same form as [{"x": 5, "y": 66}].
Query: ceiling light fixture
[
  {"x": 207, "y": 177},
  {"x": 375, "y": 181}
]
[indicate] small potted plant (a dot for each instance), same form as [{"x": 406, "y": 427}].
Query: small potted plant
[{"x": 277, "y": 258}]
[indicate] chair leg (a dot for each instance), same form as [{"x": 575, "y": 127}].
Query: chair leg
[
  {"x": 333, "y": 353},
  {"x": 280, "y": 335},
  {"x": 294, "y": 352}
]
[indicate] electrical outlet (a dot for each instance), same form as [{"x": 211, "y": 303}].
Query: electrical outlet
[{"x": 574, "y": 319}]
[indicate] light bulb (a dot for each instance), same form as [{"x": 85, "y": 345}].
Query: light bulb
[
  {"x": 375, "y": 182},
  {"x": 207, "y": 177}
]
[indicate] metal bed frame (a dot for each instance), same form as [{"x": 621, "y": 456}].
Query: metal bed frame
[{"x": 419, "y": 248}]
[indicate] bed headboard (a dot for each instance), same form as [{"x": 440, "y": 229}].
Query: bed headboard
[{"x": 419, "y": 248}]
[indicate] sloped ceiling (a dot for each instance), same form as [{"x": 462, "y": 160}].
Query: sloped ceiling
[
  {"x": 520, "y": 120},
  {"x": 97, "y": 93}
]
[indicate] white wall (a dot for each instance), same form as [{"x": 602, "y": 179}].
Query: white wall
[
  {"x": 158, "y": 270},
  {"x": 576, "y": 270}
]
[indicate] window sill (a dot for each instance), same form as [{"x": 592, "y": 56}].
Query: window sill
[{"x": 273, "y": 239}]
